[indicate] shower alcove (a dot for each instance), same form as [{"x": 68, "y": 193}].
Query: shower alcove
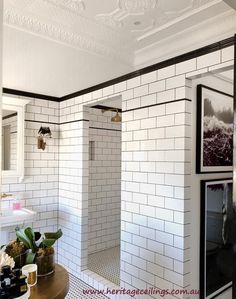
[{"x": 104, "y": 189}]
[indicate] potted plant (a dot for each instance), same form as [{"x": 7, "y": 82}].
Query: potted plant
[
  {"x": 39, "y": 248},
  {"x": 17, "y": 250}
]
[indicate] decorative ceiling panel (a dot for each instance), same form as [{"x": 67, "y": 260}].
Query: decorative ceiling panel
[
  {"x": 56, "y": 33},
  {"x": 112, "y": 28},
  {"x": 75, "y": 6},
  {"x": 137, "y": 6}
]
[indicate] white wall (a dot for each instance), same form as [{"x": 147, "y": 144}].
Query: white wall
[
  {"x": 227, "y": 87},
  {"x": 104, "y": 198}
]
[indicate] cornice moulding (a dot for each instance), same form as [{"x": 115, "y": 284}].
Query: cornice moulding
[
  {"x": 219, "y": 28},
  {"x": 55, "y": 33}
]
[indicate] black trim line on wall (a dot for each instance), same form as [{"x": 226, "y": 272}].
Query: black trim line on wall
[
  {"x": 9, "y": 116},
  {"x": 97, "y": 128},
  {"x": 51, "y": 123},
  {"x": 157, "y": 104},
  {"x": 190, "y": 55},
  {"x": 73, "y": 121},
  {"x": 41, "y": 122},
  {"x": 29, "y": 94}
]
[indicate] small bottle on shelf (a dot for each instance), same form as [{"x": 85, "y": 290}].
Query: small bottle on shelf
[{"x": 16, "y": 205}]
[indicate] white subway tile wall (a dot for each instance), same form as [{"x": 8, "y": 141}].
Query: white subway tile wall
[
  {"x": 73, "y": 192},
  {"x": 155, "y": 171},
  {"x": 39, "y": 190}
]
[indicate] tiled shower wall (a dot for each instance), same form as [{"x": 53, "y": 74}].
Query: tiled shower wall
[
  {"x": 156, "y": 172},
  {"x": 39, "y": 189},
  {"x": 104, "y": 198}
]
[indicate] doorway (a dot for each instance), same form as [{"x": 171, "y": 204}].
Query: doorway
[{"x": 104, "y": 189}]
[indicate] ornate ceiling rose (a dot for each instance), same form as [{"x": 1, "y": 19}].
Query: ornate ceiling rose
[{"x": 137, "y": 6}]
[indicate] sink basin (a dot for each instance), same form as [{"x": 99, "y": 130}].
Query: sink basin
[{"x": 16, "y": 217}]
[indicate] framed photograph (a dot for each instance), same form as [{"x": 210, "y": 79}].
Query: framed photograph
[
  {"x": 214, "y": 131},
  {"x": 217, "y": 236}
]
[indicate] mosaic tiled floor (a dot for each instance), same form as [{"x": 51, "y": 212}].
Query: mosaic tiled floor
[
  {"x": 76, "y": 290},
  {"x": 106, "y": 263}
]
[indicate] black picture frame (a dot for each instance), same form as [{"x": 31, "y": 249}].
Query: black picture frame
[
  {"x": 206, "y": 148},
  {"x": 213, "y": 255}
]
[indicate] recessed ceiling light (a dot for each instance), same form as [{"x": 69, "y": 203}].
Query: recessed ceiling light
[{"x": 136, "y": 23}]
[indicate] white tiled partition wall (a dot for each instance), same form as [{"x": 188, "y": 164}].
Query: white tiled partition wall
[
  {"x": 104, "y": 196},
  {"x": 156, "y": 176},
  {"x": 39, "y": 189},
  {"x": 73, "y": 187}
]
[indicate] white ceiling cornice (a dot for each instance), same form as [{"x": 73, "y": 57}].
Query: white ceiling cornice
[
  {"x": 197, "y": 7},
  {"x": 59, "y": 34},
  {"x": 216, "y": 29}
]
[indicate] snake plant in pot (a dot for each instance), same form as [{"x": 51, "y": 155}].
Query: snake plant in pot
[{"x": 39, "y": 248}]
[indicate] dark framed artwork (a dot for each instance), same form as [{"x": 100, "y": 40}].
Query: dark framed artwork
[
  {"x": 214, "y": 131},
  {"x": 217, "y": 236}
]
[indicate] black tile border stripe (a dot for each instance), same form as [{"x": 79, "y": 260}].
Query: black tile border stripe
[
  {"x": 29, "y": 94},
  {"x": 98, "y": 128},
  {"x": 157, "y": 104},
  {"x": 9, "y": 116},
  {"x": 41, "y": 122},
  {"x": 190, "y": 55},
  {"x": 51, "y": 123},
  {"x": 72, "y": 121}
]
